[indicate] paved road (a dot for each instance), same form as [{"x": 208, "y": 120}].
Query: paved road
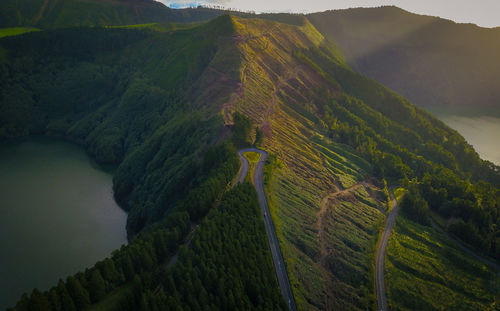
[
  {"x": 379, "y": 264},
  {"x": 244, "y": 167},
  {"x": 279, "y": 263}
]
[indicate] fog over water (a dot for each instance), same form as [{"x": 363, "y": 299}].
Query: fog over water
[{"x": 57, "y": 215}]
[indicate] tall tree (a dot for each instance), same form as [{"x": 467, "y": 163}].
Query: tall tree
[
  {"x": 67, "y": 303},
  {"x": 79, "y": 294},
  {"x": 97, "y": 287}
]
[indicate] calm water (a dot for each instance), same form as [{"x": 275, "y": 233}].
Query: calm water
[
  {"x": 57, "y": 215},
  {"x": 482, "y": 132}
]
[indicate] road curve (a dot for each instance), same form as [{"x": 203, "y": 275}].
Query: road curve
[
  {"x": 279, "y": 263},
  {"x": 379, "y": 264}
]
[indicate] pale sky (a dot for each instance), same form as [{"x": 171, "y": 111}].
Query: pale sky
[{"x": 485, "y": 13}]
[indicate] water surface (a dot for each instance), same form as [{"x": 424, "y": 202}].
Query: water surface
[
  {"x": 482, "y": 132},
  {"x": 57, "y": 215}
]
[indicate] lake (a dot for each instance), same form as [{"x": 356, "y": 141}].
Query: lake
[
  {"x": 57, "y": 215},
  {"x": 482, "y": 132}
]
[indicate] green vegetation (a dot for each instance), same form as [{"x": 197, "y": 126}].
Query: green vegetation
[
  {"x": 242, "y": 130},
  {"x": 148, "y": 99},
  {"x": 112, "y": 91},
  {"x": 415, "y": 207},
  {"x": 424, "y": 271},
  {"x": 253, "y": 159},
  {"x": 160, "y": 27},
  {"x": 6, "y": 32},
  {"x": 108, "y": 283},
  {"x": 399, "y": 192},
  {"x": 330, "y": 129},
  {"x": 57, "y": 14},
  {"x": 228, "y": 265}
]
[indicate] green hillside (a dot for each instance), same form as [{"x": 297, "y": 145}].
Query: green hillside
[
  {"x": 57, "y": 13},
  {"x": 105, "y": 89},
  {"x": 165, "y": 106},
  {"x": 431, "y": 61}
]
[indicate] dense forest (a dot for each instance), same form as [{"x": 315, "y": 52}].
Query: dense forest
[
  {"x": 225, "y": 265},
  {"x": 142, "y": 263},
  {"x": 103, "y": 89}
]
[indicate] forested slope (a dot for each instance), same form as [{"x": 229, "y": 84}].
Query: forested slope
[
  {"x": 153, "y": 103},
  {"x": 135, "y": 98},
  {"x": 55, "y": 13}
]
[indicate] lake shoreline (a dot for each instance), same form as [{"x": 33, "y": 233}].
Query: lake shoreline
[{"x": 63, "y": 201}]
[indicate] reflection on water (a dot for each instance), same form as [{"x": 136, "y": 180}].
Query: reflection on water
[{"x": 57, "y": 215}]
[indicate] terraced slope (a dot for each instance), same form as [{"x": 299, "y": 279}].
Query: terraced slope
[{"x": 327, "y": 209}]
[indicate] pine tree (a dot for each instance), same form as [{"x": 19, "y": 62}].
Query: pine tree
[
  {"x": 97, "y": 287},
  {"x": 38, "y": 301},
  {"x": 79, "y": 294},
  {"x": 127, "y": 267},
  {"x": 22, "y": 304},
  {"x": 55, "y": 302},
  {"x": 67, "y": 303}
]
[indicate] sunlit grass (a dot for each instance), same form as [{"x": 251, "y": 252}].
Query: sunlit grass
[
  {"x": 6, "y": 32},
  {"x": 399, "y": 192},
  {"x": 425, "y": 271},
  {"x": 253, "y": 159}
]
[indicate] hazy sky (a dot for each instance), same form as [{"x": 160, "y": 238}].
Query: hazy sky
[{"x": 485, "y": 13}]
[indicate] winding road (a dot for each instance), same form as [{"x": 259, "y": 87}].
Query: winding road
[
  {"x": 379, "y": 264},
  {"x": 279, "y": 263}
]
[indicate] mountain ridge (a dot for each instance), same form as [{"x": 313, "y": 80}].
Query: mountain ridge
[{"x": 164, "y": 106}]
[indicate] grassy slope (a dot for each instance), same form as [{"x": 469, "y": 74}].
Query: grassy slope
[
  {"x": 274, "y": 92},
  {"x": 425, "y": 271},
  {"x": 326, "y": 210}
]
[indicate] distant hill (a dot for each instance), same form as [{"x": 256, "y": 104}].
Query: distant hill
[
  {"x": 58, "y": 13},
  {"x": 429, "y": 60}
]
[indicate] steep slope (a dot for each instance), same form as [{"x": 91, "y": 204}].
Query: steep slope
[
  {"x": 429, "y": 60},
  {"x": 142, "y": 100},
  {"x": 327, "y": 210}
]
